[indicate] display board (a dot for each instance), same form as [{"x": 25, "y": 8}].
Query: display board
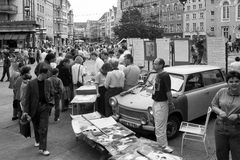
[
  {"x": 163, "y": 50},
  {"x": 216, "y": 51},
  {"x": 150, "y": 50},
  {"x": 181, "y": 51},
  {"x": 138, "y": 51}
]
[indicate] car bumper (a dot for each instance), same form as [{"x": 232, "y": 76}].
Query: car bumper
[{"x": 137, "y": 125}]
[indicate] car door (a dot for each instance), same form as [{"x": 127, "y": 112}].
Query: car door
[
  {"x": 196, "y": 96},
  {"x": 213, "y": 80}
]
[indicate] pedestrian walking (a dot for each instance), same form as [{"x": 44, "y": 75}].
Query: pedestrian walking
[
  {"x": 114, "y": 84},
  {"x": 101, "y": 90},
  {"x": 131, "y": 72},
  {"x": 37, "y": 102},
  {"x": 6, "y": 66},
  {"x": 58, "y": 90},
  {"x": 235, "y": 65},
  {"x": 226, "y": 104},
  {"x": 46, "y": 64},
  {"x": 16, "y": 104},
  {"x": 66, "y": 77},
  {"x": 163, "y": 100}
]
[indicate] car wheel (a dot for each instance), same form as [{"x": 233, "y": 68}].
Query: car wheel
[{"x": 173, "y": 125}]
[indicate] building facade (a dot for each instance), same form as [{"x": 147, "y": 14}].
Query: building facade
[
  {"x": 17, "y": 24},
  {"x": 79, "y": 30},
  {"x": 223, "y": 19},
  {"x": 92, "y": 30},
  {"x": 194, "y": 18}
]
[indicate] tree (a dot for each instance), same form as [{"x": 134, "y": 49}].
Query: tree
[{"x": 133, "y": 25}]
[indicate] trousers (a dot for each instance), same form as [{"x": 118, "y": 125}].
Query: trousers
[
  {"x": 227, "y": 138},
  {"x": 160, "y": 113},
  {"x": 40, "y": 125}
]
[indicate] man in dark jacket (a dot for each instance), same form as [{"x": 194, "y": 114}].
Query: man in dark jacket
[
  {"x": 37, "y": 103},
  {"x": 6, "y": 66}
]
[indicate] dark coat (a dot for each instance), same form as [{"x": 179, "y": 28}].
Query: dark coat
[{"x": 31, "y": 100}]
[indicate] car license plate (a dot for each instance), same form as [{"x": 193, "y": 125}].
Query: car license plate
[{"x": 130, "y": 124}]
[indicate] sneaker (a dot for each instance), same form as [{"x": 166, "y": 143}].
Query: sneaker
[
  {"x": 56, "y": 119},
  {"x": 36, "y": 144},
  {"x": 167, "y": 149},
  {"x": 44, "y": 152}
]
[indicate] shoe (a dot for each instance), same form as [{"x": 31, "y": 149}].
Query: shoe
[
  {"x": 167, "y": 149},
  {"x": 56, "y": 119},
  {"x": 44, "y": 152},
  {"x": 14, "y": 118},
  {"x": 36, "y": 144}
]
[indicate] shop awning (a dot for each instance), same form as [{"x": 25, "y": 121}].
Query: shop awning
[
  {"x": 22, "y": 36},
  {"x": 7, "y": 36},
  {"x": 14, "y": 36}
]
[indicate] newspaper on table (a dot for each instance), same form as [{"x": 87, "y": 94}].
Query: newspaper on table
[{"x": 84, "y": 99}]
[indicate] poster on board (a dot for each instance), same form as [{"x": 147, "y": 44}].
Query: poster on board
[
  {"x": 163, "y": 50},
  {"x": 138, "y": 51},
  {"x": 150, "y": 50},
  {"x": 216, "y": 51},
  {"x": 181, "y": 51}
]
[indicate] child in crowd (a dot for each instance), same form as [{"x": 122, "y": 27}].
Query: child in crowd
[{"x": 58, "y": 90}]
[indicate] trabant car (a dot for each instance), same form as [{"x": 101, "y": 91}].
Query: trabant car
[{"x": 193, "y": 88}]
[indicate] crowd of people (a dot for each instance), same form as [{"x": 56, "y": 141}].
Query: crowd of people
[{"x": 57, "y": 78}]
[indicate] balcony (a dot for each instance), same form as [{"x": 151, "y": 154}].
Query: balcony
[{"x": 10, "y": 9}]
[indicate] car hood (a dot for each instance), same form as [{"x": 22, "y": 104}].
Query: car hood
[{"x": 140, "y": 100}]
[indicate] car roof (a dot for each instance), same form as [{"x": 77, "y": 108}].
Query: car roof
[{"x": 189, "y": 69}]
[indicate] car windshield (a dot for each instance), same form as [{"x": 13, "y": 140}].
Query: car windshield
[{"x": 176, "y": 81}]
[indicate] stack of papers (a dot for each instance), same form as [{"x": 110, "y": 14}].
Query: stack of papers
[{"x": 84, "y": 99}]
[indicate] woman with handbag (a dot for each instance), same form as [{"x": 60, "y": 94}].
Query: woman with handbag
[{"x": 78, "y": 72}]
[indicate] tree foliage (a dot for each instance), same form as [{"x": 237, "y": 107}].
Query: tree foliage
[{"x": 133, "y": 25}]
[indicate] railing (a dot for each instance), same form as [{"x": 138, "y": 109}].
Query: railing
[{"x": 10, "y": 9}]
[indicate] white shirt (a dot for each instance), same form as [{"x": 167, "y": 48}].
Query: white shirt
[
  {"x": 76, "y": 72},
  {"x": 43, "y": 55},
  {"x": 98, "y": 64}
]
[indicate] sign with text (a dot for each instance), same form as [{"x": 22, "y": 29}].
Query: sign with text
[
  {"x": 150, "y": 50},
  {"x": 216, "y": 51},
  {"x": 163, "y": 50},
  {"x": 138, "y": 51}
]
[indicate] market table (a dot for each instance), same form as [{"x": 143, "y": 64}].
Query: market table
[
  {"x": 104, "y": 133},
  {"x": 85, "y": 97}
]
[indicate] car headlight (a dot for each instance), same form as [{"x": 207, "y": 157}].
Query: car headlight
[
  {"x": 143, "y": 121},
  {"x": 150, "y": 111},
  {"x": 113, "y": 101}
]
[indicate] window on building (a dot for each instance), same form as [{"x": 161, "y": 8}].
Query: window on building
[
  {"x": 194, "y": 16},
  {"x": 165, "y": 28},
  {"x": 193, "y": 1},
  {"x": 201, "y": 15},
  {"x": 225, "y": 11},
  {"x": 179, "y": 16},
  {"x": 194, "y": 27},
  {"x": 171, "y": 28},
  {"x": 212, "y": 1},
  {"x": 212, "y": 29},
  {"x": 201, "y": 26},
  {"x": 238, "y": 10},
  {"x": 175, "y": 7},
  {"x": 212, "y": 13},
  {"x": 200, "y": 6},
  {"x": 188, "y": 8},
  {"x": 225, "y": 32},
  {"x": 187, "y": 27},
  {"x": 194, "y": 7},
  {"x": 38, "y": 7},
  {"x": 179, "y": 28},
  {"x": 187, "y": 16}
]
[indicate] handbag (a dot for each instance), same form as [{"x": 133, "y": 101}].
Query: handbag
[
  {"x": 25, "y": 128},
  {"x": 24, "y": 125},
  {"x": 79, "y": 84}
]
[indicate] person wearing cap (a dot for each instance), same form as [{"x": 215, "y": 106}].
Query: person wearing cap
[
  {"x": 162, "y": 97},
  {"x": 37, "y": 102}
]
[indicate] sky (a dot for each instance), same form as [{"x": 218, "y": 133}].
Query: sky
[{"x": 84, "y": 10}]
